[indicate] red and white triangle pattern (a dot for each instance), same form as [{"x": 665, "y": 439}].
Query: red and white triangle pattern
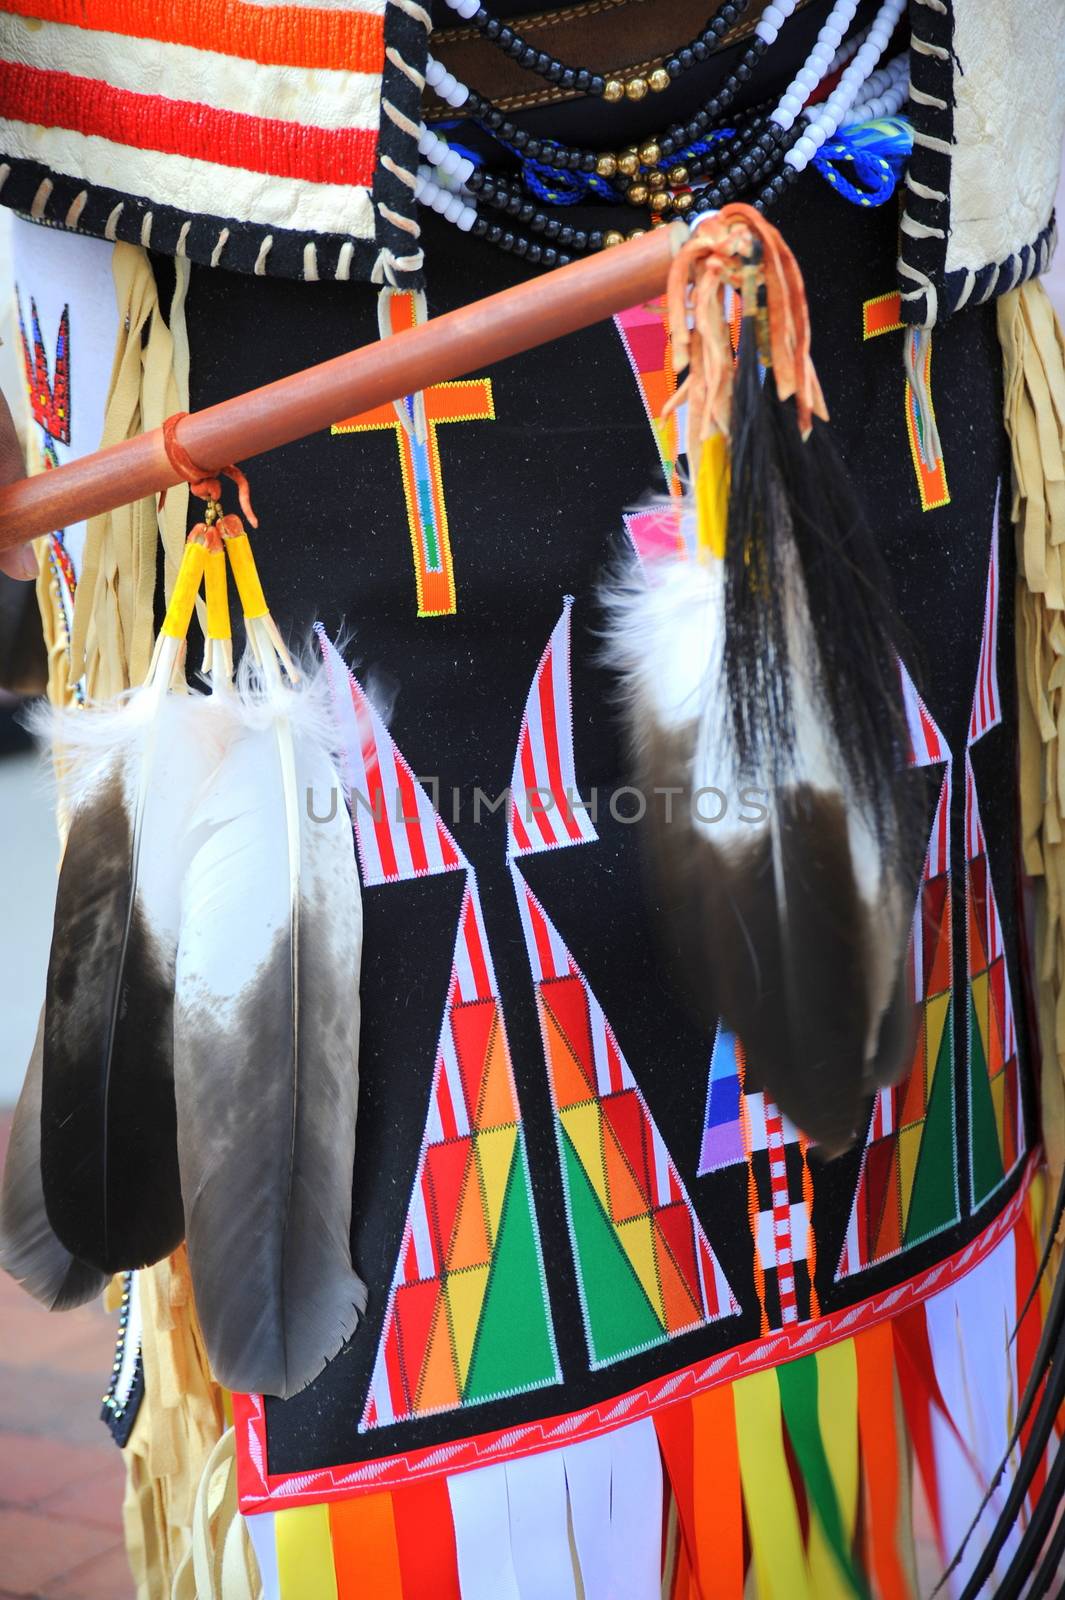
[
  {"x": 398, "y": 833},
  {"x": 546, "y": 811}
]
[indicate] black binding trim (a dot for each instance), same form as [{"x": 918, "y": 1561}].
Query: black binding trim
[{"x": 930, "y": 293}]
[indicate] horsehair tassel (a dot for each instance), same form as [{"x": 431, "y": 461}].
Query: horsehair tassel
[
  {"x": 760, "y": 664},
  {"x": 717, "y": 255}
]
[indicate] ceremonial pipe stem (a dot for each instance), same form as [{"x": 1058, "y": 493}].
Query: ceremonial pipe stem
[{"x": 462, "y": 341}]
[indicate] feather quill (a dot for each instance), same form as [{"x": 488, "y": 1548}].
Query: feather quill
[
  {"x": 266, "y": 1039},
  {"x": 29, "y": 1249},
  {"x": 108, "y": 1131}
]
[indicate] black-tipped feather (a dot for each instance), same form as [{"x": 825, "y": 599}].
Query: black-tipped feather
[
  {"x": 108, "y": 1125},
  {"x": 266, "y": 1054},
  {"x": 29, "y": 1249},
  {"x": 108, "y": 1122}
]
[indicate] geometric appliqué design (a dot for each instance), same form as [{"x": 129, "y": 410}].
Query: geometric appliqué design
[
  {"x": 49, "y": 391},
  {"x": 644, "y": 1267},
  {"x": 546, "y": 811},
  {"x": 416, "y": 434},
  {"x": 907, "y": 1187},
  {"x": 745, "y": 1127},
  {"x": 468, "y": 1317},
  {"x": 49, "y": 400},
  {"x": 644, "y": 334},
  {"x": 996, "y": 1116},
  {"x": 996, "y": 1112}
]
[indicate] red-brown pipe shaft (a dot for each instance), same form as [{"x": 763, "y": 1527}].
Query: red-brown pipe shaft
[{"x": 466, "y": 340}]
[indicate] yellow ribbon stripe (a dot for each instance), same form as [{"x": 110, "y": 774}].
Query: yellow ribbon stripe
[
  {"x": 837, "y": 1416},
  {"x": 217, "y": 596},
  {"x": 186, "y": 588},
  {"x": 772, "y": 1515},
  {"x": 246, "y": 577},
  {"x": 711, "y": 496},
  {"x": 305, "y": 1554}
]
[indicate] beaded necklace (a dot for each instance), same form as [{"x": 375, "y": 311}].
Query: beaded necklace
[
  {"x": 614, "y": 88},
  {"x": 759, "y": 158},
  {"x": 676, "y": 137}
]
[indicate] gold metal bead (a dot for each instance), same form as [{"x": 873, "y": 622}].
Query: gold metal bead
[
  {"x": 637, "y": 233},
  {"x": 637, "y": 194},
  {"x": 660, "y": 201},
  {"x": 650, "y": 154},
  {"x": 678, "y": 176},
  {"x": 683, "y": 202},
  {"x": 606, "y": 166},
  {"x": 613, "y": 90},
  {"x": 656, "y": 180},
  {"x": 629, "y": 163},
  {"x": 612, "y": 237},
  {"x": 659, "y": 80},
  {"x": 636, "y": 88}
]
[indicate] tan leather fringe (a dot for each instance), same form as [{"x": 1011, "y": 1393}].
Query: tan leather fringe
[
  {"x": 113, "y": 626},
  {"x": 1034, "y": 387},
  {"x": 180, "y": 1422},
  {"x": 719, "y": 253},
  {"x": 220, "y": 1564}
]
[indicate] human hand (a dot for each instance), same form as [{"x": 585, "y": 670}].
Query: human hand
[{"x": 18, "y": 561}]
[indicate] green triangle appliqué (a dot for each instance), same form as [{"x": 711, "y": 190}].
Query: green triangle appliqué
[
  {"x": 983, "y": 1134},
  {"x": 934, "y": 1202},
  {"x": 620, "y": 1316},
  {"x": 514, "y": 1350}
]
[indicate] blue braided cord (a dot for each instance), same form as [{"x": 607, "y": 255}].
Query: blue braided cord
[
  {"x": 890, "y": 137},
  {"x": 562, "y": 187},
  {"x": 877, "y": 152}
]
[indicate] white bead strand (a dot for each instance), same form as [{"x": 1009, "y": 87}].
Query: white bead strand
[
  {"x": 825, "y": 119},
  {"x": 439, "y": 154},
  {"x": 887, "y": 99},
  {"x": 817, "y": 64},
  {"x": 445, "y": 84},
  {"x": 846, "y": 51},
  {"x": 452, "y": 207},
  {"x": 773, "y": 19}
]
